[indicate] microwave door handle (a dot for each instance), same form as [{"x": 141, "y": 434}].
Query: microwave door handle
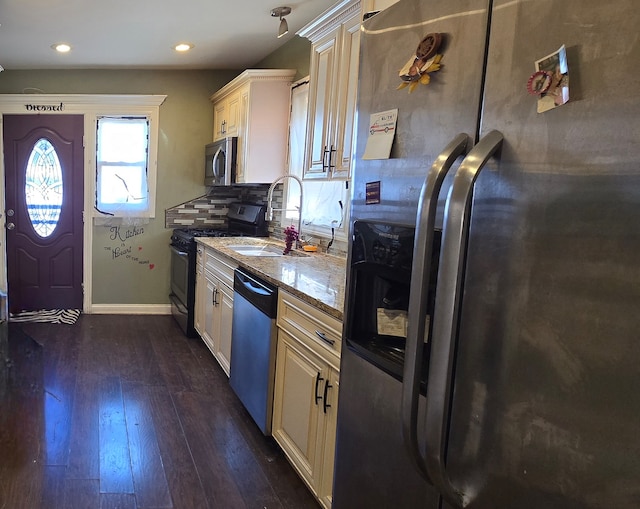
[
  {"x": 446, "y": 314},
  {"x": 417, "y": 329},
  {"x": 226, "y": 167},
  {"x": 214, "y": 165},
  {"x": 227, "y": 177}
]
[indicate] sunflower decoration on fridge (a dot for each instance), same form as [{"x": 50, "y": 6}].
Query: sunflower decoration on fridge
[{"x": 425, "y": 61}]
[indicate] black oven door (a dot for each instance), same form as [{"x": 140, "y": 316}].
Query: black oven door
[
  {"x": 183, "y": 289},
  {"x": 180, "y": 274}
]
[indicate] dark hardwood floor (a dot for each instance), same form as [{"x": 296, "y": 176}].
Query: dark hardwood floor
[{"x": 126, "y": 412}]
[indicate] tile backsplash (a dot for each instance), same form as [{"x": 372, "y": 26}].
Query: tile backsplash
[{"x": 210, "y": 211}]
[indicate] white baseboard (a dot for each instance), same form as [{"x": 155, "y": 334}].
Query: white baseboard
[{"x": 130, "y": 309}]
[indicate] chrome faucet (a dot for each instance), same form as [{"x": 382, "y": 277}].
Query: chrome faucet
[{"x": 270, "y": 209}]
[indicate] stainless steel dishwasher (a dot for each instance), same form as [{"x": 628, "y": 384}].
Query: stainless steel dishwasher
[{"x": 253, "y": 345}]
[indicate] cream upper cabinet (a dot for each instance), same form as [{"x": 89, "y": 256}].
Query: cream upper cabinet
[
  {"x": 333, "y": 80},
  {"x": 255, "y": 107},
  {"x": 226, "y": 117}
]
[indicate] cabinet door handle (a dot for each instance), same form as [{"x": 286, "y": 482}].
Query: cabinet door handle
[
  {"x": 223, "y": 127},
  {"x": 214, "y": 297},
  {"x": 324, "y": 338},
  {"x": 332, "y": 151},
  {"x": 326, "y": 405},
  {"x": 325, "y": 152},
  {"x": 318, "y": 380}
]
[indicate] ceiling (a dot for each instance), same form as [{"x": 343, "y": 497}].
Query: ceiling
[{"x": 141, "y": 34}]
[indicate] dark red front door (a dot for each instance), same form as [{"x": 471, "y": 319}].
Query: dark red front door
[{"x": 44, "y": 173}]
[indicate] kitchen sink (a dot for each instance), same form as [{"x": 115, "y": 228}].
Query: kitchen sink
[{"x": 262, "y": 250}]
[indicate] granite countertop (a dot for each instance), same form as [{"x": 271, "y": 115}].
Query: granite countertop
[{"x": 317, "y": 278}]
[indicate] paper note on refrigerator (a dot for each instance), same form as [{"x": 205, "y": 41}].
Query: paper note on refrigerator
[
  {"x": 382, "y": 129},
  {"x": 392, "y": 322}
]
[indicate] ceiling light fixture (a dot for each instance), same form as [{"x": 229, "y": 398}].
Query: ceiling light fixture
[
  {"x": 281, "y": 12},
  {"x": 61, "y": 47},
  {"x": 183, "y": 46}
]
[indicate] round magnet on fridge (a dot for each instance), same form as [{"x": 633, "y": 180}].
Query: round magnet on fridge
[
  {"x": 428, "y": 46},
  {"x": 539, "y": 82},
  {"x": 422, "y": 63}
]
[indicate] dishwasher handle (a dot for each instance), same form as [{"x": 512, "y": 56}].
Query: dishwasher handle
[{"x": 258, "y": 292}]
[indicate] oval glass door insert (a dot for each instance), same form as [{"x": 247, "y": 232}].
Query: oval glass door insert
[{"x": 43, "y": 189}]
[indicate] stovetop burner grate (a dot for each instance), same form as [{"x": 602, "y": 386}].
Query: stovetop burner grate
[{"x": 200, "y": 232}]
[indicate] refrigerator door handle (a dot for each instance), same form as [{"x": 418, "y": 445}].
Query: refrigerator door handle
[
  {"x": 417, "y": 329},
  {"x": 446, "y": 314}
]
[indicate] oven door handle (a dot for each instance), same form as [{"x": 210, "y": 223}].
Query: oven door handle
[{"x": 179, "y": 252}]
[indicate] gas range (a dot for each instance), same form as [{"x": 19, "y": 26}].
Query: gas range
[{"x": 243, "y": 219}]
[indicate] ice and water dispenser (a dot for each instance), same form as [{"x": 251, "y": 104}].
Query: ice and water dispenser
[{"x": 378, "y": 301}]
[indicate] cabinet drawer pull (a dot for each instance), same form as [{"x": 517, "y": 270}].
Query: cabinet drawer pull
[
  {"x": 326, "y": 405},
  {"x": 324, "y": 338},
  {"x": 318, "y": 380}
]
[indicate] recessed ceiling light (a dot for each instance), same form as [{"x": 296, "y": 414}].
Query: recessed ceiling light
[
  {"x": 183, "y": 46},
  {"x": 61, "y": 47}
]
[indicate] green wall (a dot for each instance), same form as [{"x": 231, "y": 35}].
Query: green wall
[
  {"x": 131, "y": 264},
  {"x": 294, "y": 54},
  {"x": 186, "y": 125}
]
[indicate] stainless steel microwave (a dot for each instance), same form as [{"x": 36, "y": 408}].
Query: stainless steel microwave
[{"x": 220, "y": 162}]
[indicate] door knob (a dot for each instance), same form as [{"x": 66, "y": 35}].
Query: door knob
[
  {"x": 10, "y": 212},
  {"x": 10, "y": 226}
]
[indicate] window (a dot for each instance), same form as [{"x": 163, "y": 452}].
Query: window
[
  {"x": 122, "y": 166},
  {"x": 325, "y": 202},
  {"x": 43, "y": 188},
  {"x": 297, "y": 127}
]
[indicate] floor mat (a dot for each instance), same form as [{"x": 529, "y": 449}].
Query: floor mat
[{"x": 68, "y": 316}]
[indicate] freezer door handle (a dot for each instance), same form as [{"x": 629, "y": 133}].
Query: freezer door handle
[
  {"x": 446, "y": 313},
  {"x": 421, "y": 270}
]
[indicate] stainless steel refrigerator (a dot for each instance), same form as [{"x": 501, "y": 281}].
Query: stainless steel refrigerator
[{"x": 516, "y": 381}]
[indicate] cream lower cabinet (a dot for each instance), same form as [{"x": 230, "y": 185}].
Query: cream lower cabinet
[
  {"x": 306, "y": 391},
  {"x": 214, "y": 304},
  {"x": 199, "y": 311}
]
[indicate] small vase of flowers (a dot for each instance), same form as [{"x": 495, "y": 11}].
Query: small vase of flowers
[{"x": 290, "y": 236}]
